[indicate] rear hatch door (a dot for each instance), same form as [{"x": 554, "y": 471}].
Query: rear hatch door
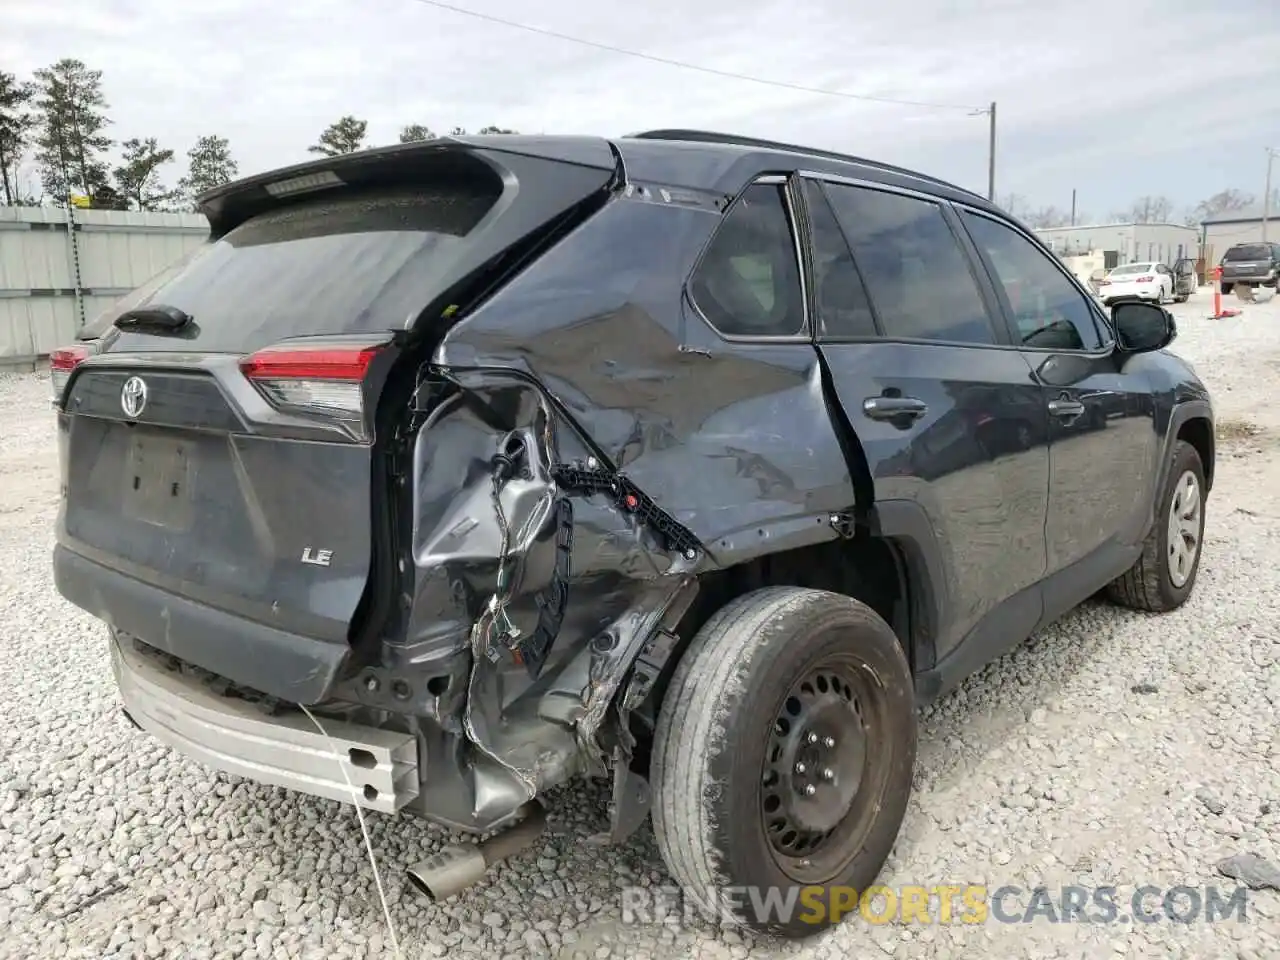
[
  {"x": 230, "y": 458},
  {"x": 1250, "y": 260}
]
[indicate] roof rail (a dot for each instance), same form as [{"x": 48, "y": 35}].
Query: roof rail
[{"x": 732, "y": 139}]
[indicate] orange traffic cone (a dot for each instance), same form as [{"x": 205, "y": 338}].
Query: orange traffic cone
[{"x": 1218, "y": 312}]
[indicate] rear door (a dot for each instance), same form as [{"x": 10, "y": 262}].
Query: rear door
[
  {"x": 221, "y": 446},
  {"x": 946, "y": 411},
  {"x": 1101, "y": 424},
  {"x": 1184, "y": 274}
]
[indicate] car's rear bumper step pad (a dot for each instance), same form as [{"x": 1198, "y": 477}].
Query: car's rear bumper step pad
[{"x": 234, "y": 736}]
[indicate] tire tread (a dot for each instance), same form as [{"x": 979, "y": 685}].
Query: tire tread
[
  {"x": 703, "y": 690},
  {"x": 1139, "y": 587}
]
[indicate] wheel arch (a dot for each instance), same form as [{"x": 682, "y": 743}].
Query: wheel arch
[
  {"x": 891, "y": 563},
  {"x": 1196, "y": 428}
]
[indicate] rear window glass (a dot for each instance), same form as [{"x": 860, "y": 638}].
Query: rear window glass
[
  {"x": 104, "y": 321},
  {"x": 1249, "y": 251},
  {"x": 1132, "y": 269},
  {"x": 351, "y": 263}
]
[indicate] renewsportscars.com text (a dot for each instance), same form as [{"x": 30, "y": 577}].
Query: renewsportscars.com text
[{"x": 943, "y": 904}]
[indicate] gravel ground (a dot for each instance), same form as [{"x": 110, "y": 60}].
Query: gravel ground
[{"x": 1113, "y": 749}]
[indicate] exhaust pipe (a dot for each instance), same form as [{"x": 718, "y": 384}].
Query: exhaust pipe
[{"x": 457, "y": 867}]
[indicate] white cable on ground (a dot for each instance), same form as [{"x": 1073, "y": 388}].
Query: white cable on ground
[{"x": 364, "y": 829}]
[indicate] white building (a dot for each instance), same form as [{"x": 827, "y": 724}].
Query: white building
[
  {"x": 1125, "y": 242},
  {"x": 1224, "y": 230}
]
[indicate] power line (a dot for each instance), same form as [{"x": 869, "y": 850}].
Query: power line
[{"x": 652, "y": 58}]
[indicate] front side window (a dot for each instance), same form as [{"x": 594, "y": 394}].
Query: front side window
[
  {"x": 748, "y": 281},
  {"x": 915, "y": 270},
  {"x": 1050, "y": 313}
]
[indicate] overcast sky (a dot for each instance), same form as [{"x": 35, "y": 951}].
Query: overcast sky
[{"x": 1115, "y": 99}]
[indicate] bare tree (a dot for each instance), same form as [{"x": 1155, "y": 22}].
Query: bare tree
[
  {"x": 1046, "y": 217},
  {"x": 1015, "y": 204},
  {"x": 1225, "y": 201},
  {"x": 1147, "y": 210}
]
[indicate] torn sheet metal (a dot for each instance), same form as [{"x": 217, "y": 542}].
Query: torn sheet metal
[{"x": 545, "y": 589}]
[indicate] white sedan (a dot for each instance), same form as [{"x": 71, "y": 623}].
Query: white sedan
[{"x": 1137, "y": 281}]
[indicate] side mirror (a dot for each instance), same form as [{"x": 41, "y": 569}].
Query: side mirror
[{"x": 1142, "y": 327}]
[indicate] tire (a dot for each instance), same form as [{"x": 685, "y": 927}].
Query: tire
[
  {"x": 1227, "y": 288},
  {"x": 1155, "y": 584},
  {"x": 732, "y": 742}
]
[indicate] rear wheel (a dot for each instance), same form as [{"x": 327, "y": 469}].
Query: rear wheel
[
  {"x": 1165, "y": 574},
  {"x": 783, "y": 759},
  {"x": 1227, "y": 287}
]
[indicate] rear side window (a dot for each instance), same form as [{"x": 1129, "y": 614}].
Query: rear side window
[
  {"x": 748, "y": 281},
  {"x": 1050, "y": 313},
  {"x": 916, "y": 272},
  {"x": 358, "y": 262},
  {"x": 843, "y": 308}
]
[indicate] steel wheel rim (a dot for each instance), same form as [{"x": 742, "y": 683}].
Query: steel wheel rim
[
  {"x": 1184, "y": 528},
  {"x": 824, "y": 770}
]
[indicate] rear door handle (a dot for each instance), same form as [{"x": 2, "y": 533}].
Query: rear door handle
[
  {"x": 1066, "y": 408},
  {"x": 894, "y": 408}
]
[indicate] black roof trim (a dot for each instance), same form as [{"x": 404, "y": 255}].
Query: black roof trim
[{"x": 735, "y": 140}]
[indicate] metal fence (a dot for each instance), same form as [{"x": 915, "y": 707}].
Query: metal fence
[{"x": 58, "y": 272}]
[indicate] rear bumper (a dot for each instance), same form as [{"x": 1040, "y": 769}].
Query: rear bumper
[
  {"x": 1131, "y": 296},
  {"x": 286, "y": 666},
  {"x": 237, "y": 737},
  {"x": 1253, "y": 278}
]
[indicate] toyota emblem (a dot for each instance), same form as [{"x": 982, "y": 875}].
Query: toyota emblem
[{"x": 133, "y": 397}]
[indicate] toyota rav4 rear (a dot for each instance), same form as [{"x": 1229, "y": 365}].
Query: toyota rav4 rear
[{"x": 332, "y": 554}]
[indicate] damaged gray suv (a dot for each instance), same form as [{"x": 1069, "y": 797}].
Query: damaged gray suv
[{"x": 449, "y": 472}]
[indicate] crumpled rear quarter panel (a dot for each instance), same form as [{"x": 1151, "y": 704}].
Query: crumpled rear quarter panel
[{"x": 592, "y": 358}]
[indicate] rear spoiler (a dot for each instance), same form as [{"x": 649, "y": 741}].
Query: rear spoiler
[{"x": 228, "y": 205}]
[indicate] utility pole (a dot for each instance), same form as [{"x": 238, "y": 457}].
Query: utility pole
[
  {"x": 1073, "y": 206},
  {"x": 991, "y": 157},
  {"x": 991, "y": 148},
  {"x": 1272, "y": 153}
]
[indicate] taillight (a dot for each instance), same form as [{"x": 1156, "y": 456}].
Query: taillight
[
  {"x": 61, "y": 362},
  {"x": 308, "y": 379},
  {"x": 1145, "y": 279}
]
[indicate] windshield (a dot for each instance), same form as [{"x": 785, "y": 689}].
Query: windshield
[
  {"x": 1131, "y": 270},
  {"x": 350, "y": 263},
  {"x": 1249, "y": 251}
]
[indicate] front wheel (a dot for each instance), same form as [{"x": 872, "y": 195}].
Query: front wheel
[
  {"x": 1165, "y": 573},
  {"x": 783, "y": 759}
]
